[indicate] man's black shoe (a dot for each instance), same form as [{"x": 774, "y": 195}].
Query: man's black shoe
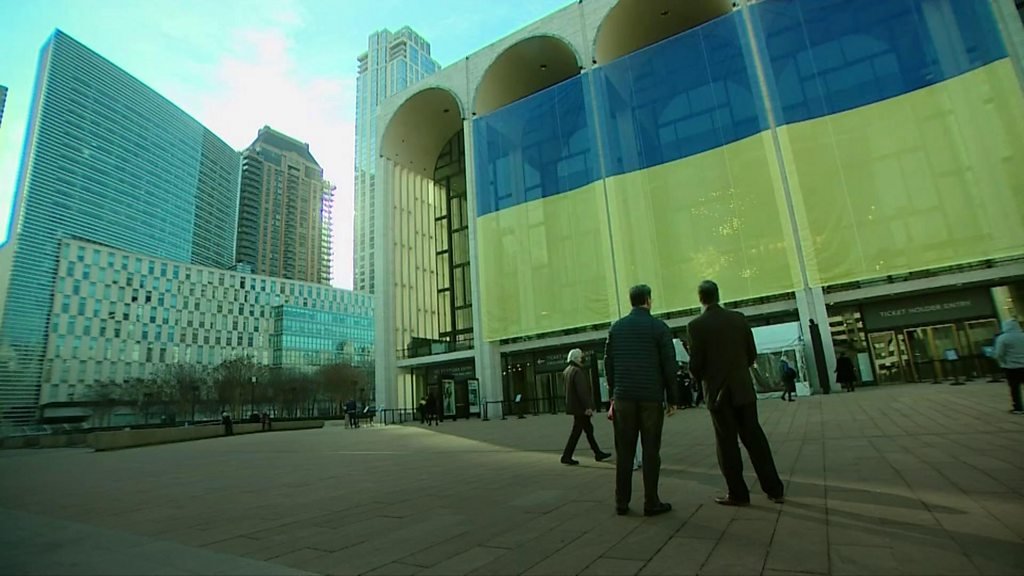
[
  {"x": 622, "y": 510},
  {"x": 602, "y": 456},
  {"x": 661, "y": 508},
  {"x": 570, "y": 462},
  {"x": 780, "y": 499},
  {"x": 728, "y": 501}
]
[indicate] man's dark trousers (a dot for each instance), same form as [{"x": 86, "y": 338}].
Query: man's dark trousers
[
  {"x": 645, "y": 419},
  {"x": 741, "y": 421},
  {"x": 580, "y": 423},
  {"x": 1015, "y": 376}
]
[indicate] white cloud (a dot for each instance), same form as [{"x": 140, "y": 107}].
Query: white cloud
[{"x": 260, "y": 81}]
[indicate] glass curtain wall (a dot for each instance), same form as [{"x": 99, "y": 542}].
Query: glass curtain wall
[{"x": 454, "y": 290}]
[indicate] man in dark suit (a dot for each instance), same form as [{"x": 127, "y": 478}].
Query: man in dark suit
[
  {"x": 640, "y": 364},
  {"x": 579, "y": 402},
  {"x": 722, "y": 351}
]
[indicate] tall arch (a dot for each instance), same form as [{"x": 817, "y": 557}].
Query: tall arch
[
  {"x": 526, "y": 67},
  {"x": 634, "y": 24},
  {"x": 423, "y": 238},
  {"x": 420, "y": 127}
]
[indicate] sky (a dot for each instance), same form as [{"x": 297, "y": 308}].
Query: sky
[{"x": 238, "y": 65}]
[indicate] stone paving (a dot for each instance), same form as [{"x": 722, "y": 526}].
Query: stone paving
[{"x": 916, "y": 479}]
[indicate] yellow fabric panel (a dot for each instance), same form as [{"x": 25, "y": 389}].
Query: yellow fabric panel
[
  {"x": 931, "y": 178},
  {"x": 719, "y": 215},
  {"x": 546, "y": 265}
]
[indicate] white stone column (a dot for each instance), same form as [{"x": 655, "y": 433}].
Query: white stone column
[
  {"x": 486, "y": 355},
  {"x": 385, "y": 347},
  {"x": 1013, "y": 34},
  {"x": 811, "y": 306},
  {"x": 810, "y": 297}
]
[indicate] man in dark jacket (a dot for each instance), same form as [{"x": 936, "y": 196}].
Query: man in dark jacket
[
  {"x": 579, "y": 402},
  {"x": 640, "y": 364},
  {"x": 722, "y": 351},
  {"x": 845, "y": 374}
]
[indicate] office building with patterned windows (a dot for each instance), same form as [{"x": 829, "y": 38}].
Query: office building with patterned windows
[
  {"x": 851, "y": 173},
  {"x": 120, "y": 316},
  {"x": 284, "y": 211},
  {"x": 108, "y": 159},
  {"x": 393, "y": 62}
]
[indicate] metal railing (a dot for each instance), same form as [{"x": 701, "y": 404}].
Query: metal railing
[
  {"x": 425, "y": 349},
  {"x": 397, "y": 415}
]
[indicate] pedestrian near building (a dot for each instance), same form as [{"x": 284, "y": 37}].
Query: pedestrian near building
[
  {"x": 421, "y": 410},
  {"x": 352, "y": 413},
  {"x": 722, "y": 350},
  {"x": 1009, "y": 353},
  {"x": 579, "y": 403},
  {"x": 640, "y": 365},
  {"x": 788, "y": 380},
  {"x": 432, "y": 408},
  {"x": 846, "y": 376}
]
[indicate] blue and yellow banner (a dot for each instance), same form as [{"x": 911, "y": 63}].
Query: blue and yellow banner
[{"x": 899, "y": 130}]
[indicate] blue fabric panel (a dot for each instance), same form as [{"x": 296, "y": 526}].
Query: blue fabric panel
[
  {"x": 534, "y": 148},
  {"x": 699, "y": 90},
  {"x": 828, "y": 56},
  {"x": 685, "y": 95}
]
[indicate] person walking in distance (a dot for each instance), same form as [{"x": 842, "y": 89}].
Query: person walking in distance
[
  {"x": 722, "y": 350},
  {"x": 845, "y": 374},
  {"x": 640, "y": 365},
  {"x": 1009, "y": 353},
  {"x": 432, "y": 410},
  {"x": 788, "y": 380},
  {"x": 579, "y": 403}
]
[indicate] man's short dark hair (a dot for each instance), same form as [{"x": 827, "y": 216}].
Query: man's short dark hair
[
  {"x": 708, "y": 292},
  {"x": 639, "y": 295}
]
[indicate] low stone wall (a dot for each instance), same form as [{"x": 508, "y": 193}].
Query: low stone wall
[{"x": 119, "y": 439}]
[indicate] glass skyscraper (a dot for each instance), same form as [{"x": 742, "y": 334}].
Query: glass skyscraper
[
  {"x": 108, "y": 160},
  {"x": 392, "y": 62}
]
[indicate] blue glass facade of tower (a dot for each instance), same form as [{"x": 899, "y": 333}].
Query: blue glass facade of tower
[
  {"x": 305, "y": 338},
  {"x": 109, "y": 160}
]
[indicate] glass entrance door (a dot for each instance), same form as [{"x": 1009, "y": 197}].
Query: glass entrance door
[
  {"x": 945, "y": 339},
  {"x": 549, "y": 393},
  {"x": 980, "y": 335},
  {"x": 928, "y": 348},
  {"x": 921, "y": 362},
  {"x": 886, "y": 352}
]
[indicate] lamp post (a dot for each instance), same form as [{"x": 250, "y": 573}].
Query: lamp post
[
  {"x": 195, "y": 389},
  {"x": 252, "y": 394}
]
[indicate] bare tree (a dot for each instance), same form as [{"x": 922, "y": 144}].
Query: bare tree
[
  {"x": 234, "y": 384},
  {"x": 294, "y": 392},
  {"x": 341, "y": 382},
  {"x": 105, "y": 395},
  {"x": 186, "y": 384}
]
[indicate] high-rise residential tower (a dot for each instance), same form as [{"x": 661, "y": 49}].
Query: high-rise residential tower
[
  {"x": 393, "y": 61},
  {"x": 107, "y": 160},
  {"x": 3, "y": 100},
  {"x": 284, "y": 215}
]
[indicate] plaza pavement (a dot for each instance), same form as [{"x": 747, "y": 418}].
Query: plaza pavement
[{"x": 915, "y": 479}]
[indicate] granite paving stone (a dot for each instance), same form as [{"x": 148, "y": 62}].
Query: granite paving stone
[
  {"x": 904, "y": 479},
  {"x": 679, "y": 556}
]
